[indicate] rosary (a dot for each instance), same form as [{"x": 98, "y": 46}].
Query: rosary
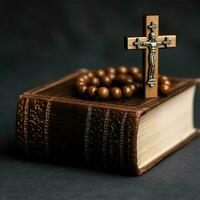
[
  {"x": 127, "y": 82},
  {"x": 115, "y": 83}
]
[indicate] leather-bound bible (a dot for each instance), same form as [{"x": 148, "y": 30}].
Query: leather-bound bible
[{"x": 125, "y": 135}]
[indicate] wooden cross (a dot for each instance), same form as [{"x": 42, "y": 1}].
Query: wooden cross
[{"x": 151, "y": 44}]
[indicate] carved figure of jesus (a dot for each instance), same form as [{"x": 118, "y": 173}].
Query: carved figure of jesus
[{"x": 152, "y": 45}]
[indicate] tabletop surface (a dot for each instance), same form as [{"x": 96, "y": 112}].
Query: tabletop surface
[{"x": 177, "y": 177}]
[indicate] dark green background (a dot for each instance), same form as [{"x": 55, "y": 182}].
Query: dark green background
[{"x": 43, "y": 40}]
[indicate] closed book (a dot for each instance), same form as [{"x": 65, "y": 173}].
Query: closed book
[{"x": 127, "y": 135}]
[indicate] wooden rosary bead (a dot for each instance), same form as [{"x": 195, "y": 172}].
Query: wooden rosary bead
[
  {"x": 111, "y": 70},
  {"x": 134, "y": 88},
  {"x": 133, "y": 70},
  {"x": 111, "y": 75},
  {"x": 106, "y": 81},
  {"x": 95, "y": 81},
  {"x": 90, "y": 74},
  {"x": 138, "y": 77},
  {"x": 127, "y": 91},
  {"x": 100, "y": 73},
  {"x": 128, "y": 80},
  {"x": 79, "y": 83},
  {"x": 81, "y": 89},
  {"x": 122, "y": 69},
  {"x": 91, "y": 91},
  {"x": 164, "y": 89},
  {"x": 85, "y": 77},
  {"x": 121, "y": 78},
  {"x": 82, "y": 79},
  {"x": 115, "y": 93},
  {"x": 103, "y": 92},
  {"x": 162, "y": 78},
  {"x": 166, "y": 82}
]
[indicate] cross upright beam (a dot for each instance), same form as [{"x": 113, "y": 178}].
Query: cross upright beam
[{"x": 151, "y": 43}]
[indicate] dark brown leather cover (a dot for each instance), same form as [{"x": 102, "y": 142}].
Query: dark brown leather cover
[{"x": 53, "y": 122}]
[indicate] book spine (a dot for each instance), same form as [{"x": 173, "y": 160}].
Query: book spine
[
  {"x": 32, "y": 125},
  {"x": 109, "y": 136},
  {"x": 99, "y": 137}
]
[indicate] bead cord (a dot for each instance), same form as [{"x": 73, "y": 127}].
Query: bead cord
[{"x": 115, "y": 83}]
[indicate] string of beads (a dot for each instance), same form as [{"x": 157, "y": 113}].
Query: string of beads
[{"x": 115, "y": 83}]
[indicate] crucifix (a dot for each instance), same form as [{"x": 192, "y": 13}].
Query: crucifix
[{"x": 151, "y": 44}]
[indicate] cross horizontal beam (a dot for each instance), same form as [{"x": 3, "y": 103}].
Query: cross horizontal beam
[{"x": 129, "y": 43}]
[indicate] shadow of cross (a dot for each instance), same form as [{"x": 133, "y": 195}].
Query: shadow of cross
[{"x": 151, "y": 44}]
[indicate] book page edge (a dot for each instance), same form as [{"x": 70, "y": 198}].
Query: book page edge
[{"x": 168, "y": 152}]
